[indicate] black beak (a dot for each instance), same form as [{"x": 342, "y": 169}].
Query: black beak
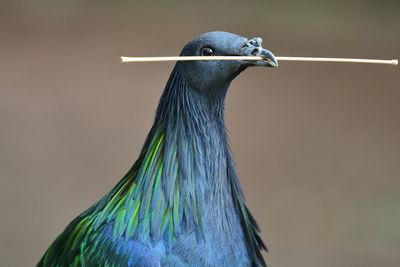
[
  {"x": 269, "y": 59},
  {"x": 253, "y": 48}
]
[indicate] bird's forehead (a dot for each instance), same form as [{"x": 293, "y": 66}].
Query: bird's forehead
[{"x": 218, "y": 40}]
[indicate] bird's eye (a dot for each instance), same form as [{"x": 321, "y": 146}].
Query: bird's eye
[{"x": 206, "y": 51}]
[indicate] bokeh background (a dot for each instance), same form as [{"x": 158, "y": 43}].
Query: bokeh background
[{"x": 317, "y": 144}]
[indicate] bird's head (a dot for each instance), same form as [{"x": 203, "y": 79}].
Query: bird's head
[{"x": 210, "y": 76}]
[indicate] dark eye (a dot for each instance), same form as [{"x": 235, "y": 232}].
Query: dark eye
[{"x": 206, "y": 51}]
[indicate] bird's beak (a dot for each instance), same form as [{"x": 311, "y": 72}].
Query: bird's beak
[
  {"x": 254, "y": 47},
  {"x": 269, "y": 59}
]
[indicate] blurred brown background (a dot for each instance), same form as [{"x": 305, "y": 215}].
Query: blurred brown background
[{"x": 317, "y": 144}]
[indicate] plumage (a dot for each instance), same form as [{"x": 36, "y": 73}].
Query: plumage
[{"x": 181, "y": 203}]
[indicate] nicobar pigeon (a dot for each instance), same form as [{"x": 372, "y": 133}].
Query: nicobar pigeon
[{"x": 181, "y": 203}]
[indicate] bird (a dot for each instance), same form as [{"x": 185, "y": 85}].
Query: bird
[{"x": 181, "y": 203}]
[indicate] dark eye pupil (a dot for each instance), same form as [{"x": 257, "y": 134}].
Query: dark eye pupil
[{"x": 206, "y": 51}]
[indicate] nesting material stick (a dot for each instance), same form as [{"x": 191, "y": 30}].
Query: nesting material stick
[
  {"x": 393, "y": 62},
  {"x": 319, "y": 59}
]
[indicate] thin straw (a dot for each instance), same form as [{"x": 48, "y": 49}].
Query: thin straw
[{"x": 314, "y": 59}]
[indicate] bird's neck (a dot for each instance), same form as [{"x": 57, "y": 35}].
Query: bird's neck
[
  {"x": 196, "y": 144},
  {"x": 193, "y": 124},
  {"x": 183, "y": 103}
]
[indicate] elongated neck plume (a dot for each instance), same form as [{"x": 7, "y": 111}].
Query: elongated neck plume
[{"x": 195, "y": 152}]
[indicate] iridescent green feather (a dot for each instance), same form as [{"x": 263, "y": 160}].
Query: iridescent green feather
[{"x": 137, "y": 207}]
